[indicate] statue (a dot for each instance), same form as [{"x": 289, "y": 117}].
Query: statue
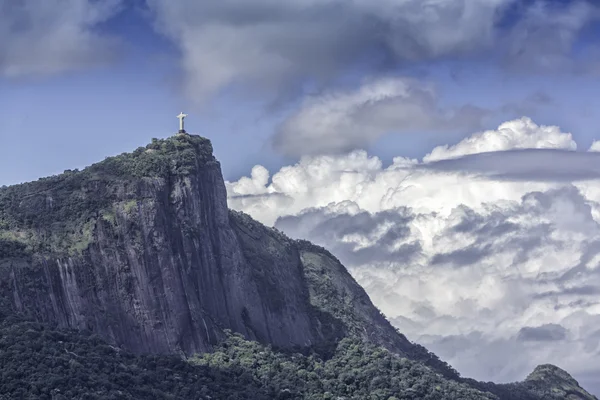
[{"x": 181, "y": 116}]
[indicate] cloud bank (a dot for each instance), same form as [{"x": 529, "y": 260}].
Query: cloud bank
[
  {"x": 343, "y": 120},
  {"x": 274, "y": 48},
  {"x": 53, "y": 36},
  {"x": 496, "y": 271}
]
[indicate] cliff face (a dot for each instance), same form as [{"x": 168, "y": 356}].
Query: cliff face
[
  {"x": 157, "y": 268},
  {"x": 142, "y": 249}
]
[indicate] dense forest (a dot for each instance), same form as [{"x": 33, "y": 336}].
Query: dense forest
[
  {"x": 37, "y": 362},
  {"x": 41, "y": 363},
  {"x": 358, "y": 354}
]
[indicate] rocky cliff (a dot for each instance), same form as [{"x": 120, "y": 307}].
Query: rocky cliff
[{"x": 142, "y": 249}]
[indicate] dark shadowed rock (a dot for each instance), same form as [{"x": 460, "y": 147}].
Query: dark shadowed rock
[
  {"x": 142, "y": 249},
  {"x": 151, "y": 260}
]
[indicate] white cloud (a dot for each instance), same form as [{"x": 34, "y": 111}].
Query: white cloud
[
  {"x": 345, "y": 120},
  {"x": 53, "y": 36},
  {"x": 480, "y": 269},
  {"x": 595, "y": 147},
  {"x": 518, "y": 134}
]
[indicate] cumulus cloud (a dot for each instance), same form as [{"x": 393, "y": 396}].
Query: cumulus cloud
[
  {"x": 339, "y": 121},
  {"x": 518, "y": 134},
  {"x": 53, "y": 36},
  {"x": 494, "y": 272},
  {"x": 279, "y": 46},
  {"x": 595, "y": 147}
]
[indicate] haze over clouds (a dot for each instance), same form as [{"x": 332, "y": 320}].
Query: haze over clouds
[{"x": 495, "y": 275}]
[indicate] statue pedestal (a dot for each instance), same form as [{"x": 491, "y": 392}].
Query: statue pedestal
[{"x": 182, "y": 131}]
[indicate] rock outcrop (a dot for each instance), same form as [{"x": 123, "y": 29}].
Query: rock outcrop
[
  {"x": 552, "y": 381},
  {"x": 142, "y": 249}
]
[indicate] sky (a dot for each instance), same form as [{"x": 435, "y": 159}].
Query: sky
[{"x": 444, "y": 150}]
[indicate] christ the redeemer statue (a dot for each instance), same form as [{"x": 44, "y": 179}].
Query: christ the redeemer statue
[{"x": 181, "y": 116}]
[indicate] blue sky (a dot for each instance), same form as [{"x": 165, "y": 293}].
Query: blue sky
[{"x": 53, "y": 121}]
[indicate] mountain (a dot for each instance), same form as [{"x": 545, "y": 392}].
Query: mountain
[{"x": 142, "y": 251}]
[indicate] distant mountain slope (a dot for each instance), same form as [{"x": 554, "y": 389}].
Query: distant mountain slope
[
  {"x": 142, "y": 250},
  {"x": 341, "y": 307}
]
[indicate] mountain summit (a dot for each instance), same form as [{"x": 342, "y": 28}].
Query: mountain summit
[{"x": 142, "y": 250}]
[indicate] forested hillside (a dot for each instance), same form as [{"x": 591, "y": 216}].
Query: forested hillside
[{"x": 132, "y": 279}]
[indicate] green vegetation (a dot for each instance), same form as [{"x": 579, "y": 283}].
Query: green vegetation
[
  {"x": 12, "y": 248},
  {"x": 550, "y": 381},
  {"x": 58, "y": 214},
  {"x": 546, "y": 382},
  {"x": 40, "y": 363},
  {"x": 37, "y": 362},
  {"x": 44, "y": 364},
  {"x": 356, "y": 370},
  {"x": 320, "y": 268}
]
